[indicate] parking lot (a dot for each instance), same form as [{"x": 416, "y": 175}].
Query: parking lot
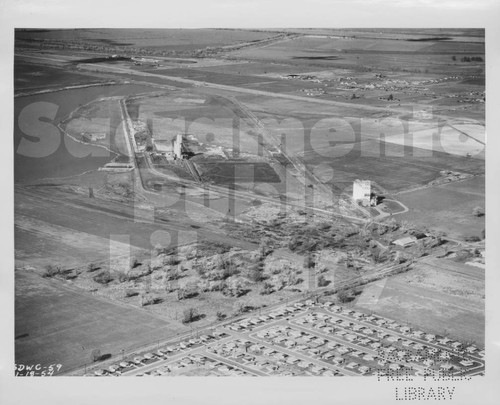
[{"x": 307, "y": 339}]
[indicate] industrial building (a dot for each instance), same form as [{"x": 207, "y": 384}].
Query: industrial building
[
  {"x": 361, "y": 192},
  {"x": 406, "y": 241},
  {"x": 170, "y": 149}
]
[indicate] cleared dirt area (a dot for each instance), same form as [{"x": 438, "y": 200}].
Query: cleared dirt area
[
  {"x": 460, "y": 140},
  {"x": 433, "y": 297}
]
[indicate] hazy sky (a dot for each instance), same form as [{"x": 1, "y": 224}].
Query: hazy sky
[{"x": 248, "y": 13}]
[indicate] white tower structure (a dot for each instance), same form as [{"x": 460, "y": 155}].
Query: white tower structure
[
  {"x": 178, "y": 146},
  {"x": 361, "y": 191}
]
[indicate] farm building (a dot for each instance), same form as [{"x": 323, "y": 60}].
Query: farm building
[
  {"x": 113, "y": 166},
  {"x": 406, "y": 241},
  {"x": 171, "y": 149},
  {"x": 163, "y": 146},
  {"x": 99, "y": 136}
]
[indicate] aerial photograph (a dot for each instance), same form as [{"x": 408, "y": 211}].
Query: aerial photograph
[{"x": 249, "y": 202}]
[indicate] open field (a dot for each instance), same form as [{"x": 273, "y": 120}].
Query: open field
[
  {"x": 61, "y": 325},
  {"x": 448, "y": 207},
  {"x": 266, "y": 69},
  {"x": 213, "y": 77},
  {"x": 459, "y": 140},
  {"x": 40, "y": 244},
  {"x": 475, "y": 186},
  {"x": 393, "y": 167},
  {"x": 30, "y": 76},
  {"x": 101, "y": 219},
  {"x": 238, "y": 172},
  {"x": 422, "y": 34},
  {"x": 368, "y": 53},
  {"x": 158, "y": 39},
  {"x": 432, "y": 297},
  {"x": 236, "y": 79}
]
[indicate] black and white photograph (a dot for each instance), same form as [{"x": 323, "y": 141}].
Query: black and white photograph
[{"x": 303, "y": 201}]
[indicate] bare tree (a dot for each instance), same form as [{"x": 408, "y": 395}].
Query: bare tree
[
  {"x": 95, "y": 355},
  {"x": 189, "y": 315},
  {"x": 478, "y": 212},
  {"x": 322, "y": 281},
  {"x": 92, "y": 267}
]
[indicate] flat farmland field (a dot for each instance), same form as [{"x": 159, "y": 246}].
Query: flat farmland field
[
  {"x": 55, "y": 324},
  {"x": 30, "y": 76},
  {"x": 155, "y": 80},
  {"x": 252, "y": 68},
  {"x": 282, "y": 86},
  {"x": 192, "y": 113},
  {"x": 448, "y": 207},
  {"x": 233, "y": 173},
  {"x": 310, "y": 45},
  {"x": 434, "y": 299},
  {"x": 162, "y": 39},
  {"x": 38, "y": 244},
  {"x": 60, "y": 220},
  {"x": 231, "y": 79},
  {"x": 475, "y": 186},
  {"x": 249, "y": 81},
  {"x": 368, "y": 52},
  {"x": 473, "y": 35},
  {"x": 394, "y": 167},
  {"x": 302, "y": 110},
  {"x": 353, "y": 146}
]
